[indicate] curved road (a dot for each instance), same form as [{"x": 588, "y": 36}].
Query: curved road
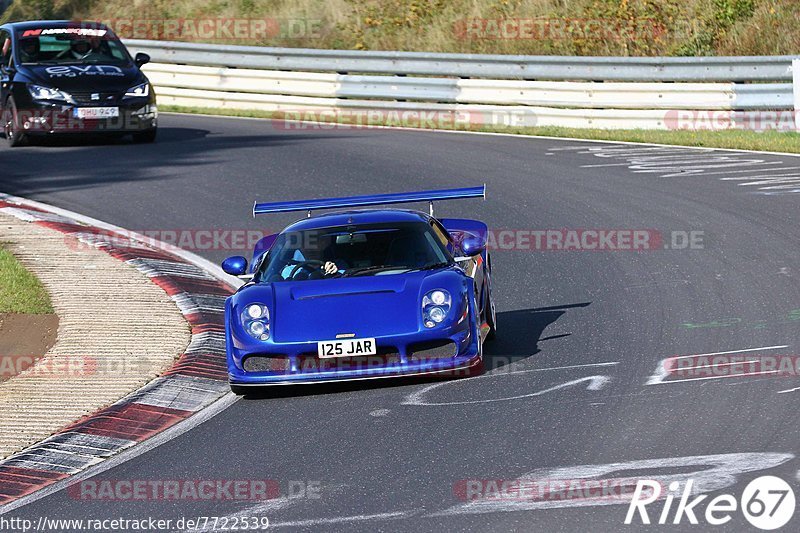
[{"x": 574, "y": 377}]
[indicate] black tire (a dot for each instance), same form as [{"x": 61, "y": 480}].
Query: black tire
[
  {"x": 146, "y": 136},
  {"x": 11, "y": 125}
]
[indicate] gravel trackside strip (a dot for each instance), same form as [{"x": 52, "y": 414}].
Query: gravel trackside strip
[
  {"x": 137, "y": 349},
  {"x": 117, "y": 332}
]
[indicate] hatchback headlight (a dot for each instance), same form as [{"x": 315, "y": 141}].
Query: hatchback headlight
[
  {"x": 255, "y": 319},
  {"x": 40, "y": 92},
  {"x": 435, "y": 307},
  {"x": 138, "y": 91}
]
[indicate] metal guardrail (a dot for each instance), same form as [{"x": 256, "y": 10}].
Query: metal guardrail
[
  {"x": 599, "y": 92},
  {"x": 592, "y": 95},
  {"x": 703, "y": 69}
]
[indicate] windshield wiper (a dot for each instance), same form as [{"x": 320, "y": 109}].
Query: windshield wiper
[
  {"x": 431, "y": 267},
  {"x": 367, "y": 270}
]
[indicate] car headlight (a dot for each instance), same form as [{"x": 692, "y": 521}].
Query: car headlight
[
  {"x": 435, "y": 307},
  {"x": 138, "y": 91},
  {"x": 39, "y": 92},
  {"x": 255, "y": 319}
]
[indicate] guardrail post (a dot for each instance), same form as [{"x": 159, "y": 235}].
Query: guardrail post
[{"x": 796, "y": 91}]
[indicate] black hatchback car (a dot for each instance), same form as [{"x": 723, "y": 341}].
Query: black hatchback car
[{"x": 72, "y": 77}]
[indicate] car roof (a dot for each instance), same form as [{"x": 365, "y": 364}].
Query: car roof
[
  {"x": 355, "y": 217},
  {"x": 45, "y": 24}
]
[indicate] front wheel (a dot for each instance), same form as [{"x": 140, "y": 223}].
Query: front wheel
[
  {"x": 11, "y": 125},
  {"x": 146, "y": 136}
]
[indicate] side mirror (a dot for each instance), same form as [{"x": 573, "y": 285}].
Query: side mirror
[
  {"x": 473, "y": 245},
  {"x": 141, "y": 59},
  {"x": 235, "y": 266}
]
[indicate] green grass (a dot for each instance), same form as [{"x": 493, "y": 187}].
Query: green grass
[
  {"x": 20, "y": 291},
  {"x": 563, "y": 27},
  {"x": 768, "y": 141}
]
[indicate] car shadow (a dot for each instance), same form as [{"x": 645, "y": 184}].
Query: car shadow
[
  {"x": 518, "y": 338},
  {"x": 79, "y": 162},
  {"x": 520, "y": 332},
  {"x": 165, "y": 135}
]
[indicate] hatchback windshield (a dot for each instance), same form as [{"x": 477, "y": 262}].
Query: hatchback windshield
[
  {"x": 365, "y": 250},
  {"x": 70, "y": 46}
]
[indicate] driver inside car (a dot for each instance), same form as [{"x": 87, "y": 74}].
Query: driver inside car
[
  {"x": 297, "y": 270},
  {"x": 86, "y": 49},
  {"x": 30, "y": 50}
]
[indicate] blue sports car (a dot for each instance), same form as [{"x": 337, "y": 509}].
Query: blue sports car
[{"x": 361, "y": 294}]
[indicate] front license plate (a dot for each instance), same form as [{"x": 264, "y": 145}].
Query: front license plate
[
  {"x": 96, "y": 112},
  {"x": 346, "y": 348}
]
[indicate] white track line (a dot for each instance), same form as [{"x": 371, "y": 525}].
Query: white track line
[
  {"x": 259, "y": 511},
  {"x": 610, "y": 363},
  {"x": 731, "y": 351},
  {"x": 718, "y": 377},
  {"x": 343, "y": 519},
  {"x": 417, "y": 398}
]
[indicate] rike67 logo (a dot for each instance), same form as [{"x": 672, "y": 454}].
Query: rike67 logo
[{"x": 767, "y": 503}]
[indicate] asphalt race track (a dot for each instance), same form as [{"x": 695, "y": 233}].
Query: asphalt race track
[{"x": 574, "y": 375}]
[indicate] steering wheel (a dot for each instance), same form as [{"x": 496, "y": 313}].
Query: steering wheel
[
  {"x": 310, "y": 265},
  {"x": 64, "y": 53}
]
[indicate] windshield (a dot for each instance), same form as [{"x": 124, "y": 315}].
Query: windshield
[
  {"x": 349, "y": 251},
  {"x": 70, "y": 46}
]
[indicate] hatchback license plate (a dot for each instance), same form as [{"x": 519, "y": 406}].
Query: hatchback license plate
[{"x": 96, "y": 112}]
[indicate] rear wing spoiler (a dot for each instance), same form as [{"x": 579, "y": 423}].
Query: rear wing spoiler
[{"x": 374, "y": 199}]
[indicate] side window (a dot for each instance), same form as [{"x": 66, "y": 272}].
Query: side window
[
  {"x": 117, "y": 54},
  {"x": 5, "y": 48},
  {"x": 440, "y": 233}
]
